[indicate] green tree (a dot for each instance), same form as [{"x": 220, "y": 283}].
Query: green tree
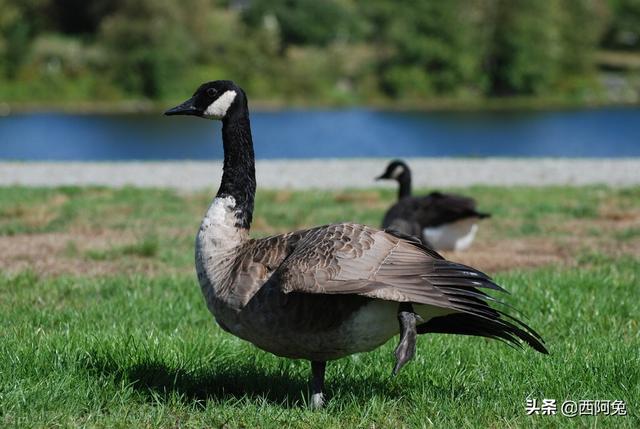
[
  {"x": 19, "y": 22},
  {"x": 307, "y": 22},
  {"x": 425, "y": 47},
  {"x": 623, "y": 32},
  {"x": 536, "y": 45},
  {"x": 526, "y": 47},
  {"x": 148, "y": 44},
  {"x": 582, "y": 25},
  {"x": 80, "y": 17}
]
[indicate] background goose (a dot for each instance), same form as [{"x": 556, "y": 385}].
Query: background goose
[
  {"x": 326, "y": 292},
  {"x": 444, "y": 221}
]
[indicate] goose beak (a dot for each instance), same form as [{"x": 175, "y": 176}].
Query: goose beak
[
  {"x": 186, "y": 108},
  {"x": 380, "y": 177}
]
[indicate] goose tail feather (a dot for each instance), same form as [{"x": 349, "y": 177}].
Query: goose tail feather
[{"x": 500, "y": 329}]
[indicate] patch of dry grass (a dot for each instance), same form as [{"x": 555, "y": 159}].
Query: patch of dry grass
[{"x": 97, "y": 231}]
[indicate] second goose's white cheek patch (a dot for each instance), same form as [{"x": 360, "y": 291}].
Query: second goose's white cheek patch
[
  {"x": 397, "y": 172},
  {"x": 218, "y": 109}
]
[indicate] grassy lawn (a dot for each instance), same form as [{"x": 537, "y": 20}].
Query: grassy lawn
[{"x": 102, "y": 323}]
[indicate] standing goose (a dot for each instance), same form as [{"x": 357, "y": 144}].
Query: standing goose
[
  {"x": 444, "y": 221},
  {"x": 330, "y": 291}
]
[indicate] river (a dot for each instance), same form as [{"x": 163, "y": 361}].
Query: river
[{"x": 342, "y": 133}]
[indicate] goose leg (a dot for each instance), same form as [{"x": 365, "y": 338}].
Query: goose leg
[
  {"x": 407, "y": 346},
  {"x": 317, "y": 384}
]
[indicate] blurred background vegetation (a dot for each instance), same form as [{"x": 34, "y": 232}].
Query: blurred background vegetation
[{"x": 376, "y": 52}]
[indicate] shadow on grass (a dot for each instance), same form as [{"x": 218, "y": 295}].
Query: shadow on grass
[{"x": 218, "y": 381}]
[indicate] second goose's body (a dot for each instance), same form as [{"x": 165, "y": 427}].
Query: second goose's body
[
  {"x": 327, "y": 292},
  {"x": 444, "y": 221}
]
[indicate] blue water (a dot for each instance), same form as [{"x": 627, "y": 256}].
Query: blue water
[{"x": 607, "y": 132}]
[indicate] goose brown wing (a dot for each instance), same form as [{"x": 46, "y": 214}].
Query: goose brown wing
[
  {"x": 258, "y": 259},
  {"x": 356, "y": 259}
]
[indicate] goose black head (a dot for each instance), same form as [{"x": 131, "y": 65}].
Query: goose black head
[
  {"x": 395, "y": 170},
  {"x": 219, "y": 99}
]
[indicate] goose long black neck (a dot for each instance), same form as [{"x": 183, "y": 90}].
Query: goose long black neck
[
  {"x": 239, "y": 175},
  {"x": 404, "y": 190}
]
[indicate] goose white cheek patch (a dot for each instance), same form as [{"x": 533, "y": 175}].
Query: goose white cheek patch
[
  {"x": 397, "y": 172},
  {"x": 218, "y": 108}
]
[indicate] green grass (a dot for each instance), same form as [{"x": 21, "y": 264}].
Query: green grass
[
  {"x": 146, "y": 248},
  {"x": 141, "y": 350},
  {"x": 29, "y": 210},
  {"x": 628, "y": 233}
]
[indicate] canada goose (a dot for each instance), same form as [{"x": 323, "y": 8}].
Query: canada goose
[
  {"x": 445, "y": 221},
  {"x": 324, "y": 293}
]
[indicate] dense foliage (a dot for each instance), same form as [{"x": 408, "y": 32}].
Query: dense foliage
[{"x": 301, "y": 50}]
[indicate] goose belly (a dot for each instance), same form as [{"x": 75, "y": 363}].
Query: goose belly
[
  {"x": 452, "y": 236},
  {"x": 322, "y": 334}
]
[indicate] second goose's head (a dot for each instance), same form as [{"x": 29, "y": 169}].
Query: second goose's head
[
  {"x": 396, "y": 170},
  {"x": 219, "y": 99}
]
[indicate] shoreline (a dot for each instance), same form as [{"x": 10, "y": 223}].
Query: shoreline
[
  {"x": 328, "y": 174},
  {"x": 8, "y": 108}
]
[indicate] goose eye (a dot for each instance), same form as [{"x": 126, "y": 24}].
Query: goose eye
[{"x": 211, "y": 92}]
